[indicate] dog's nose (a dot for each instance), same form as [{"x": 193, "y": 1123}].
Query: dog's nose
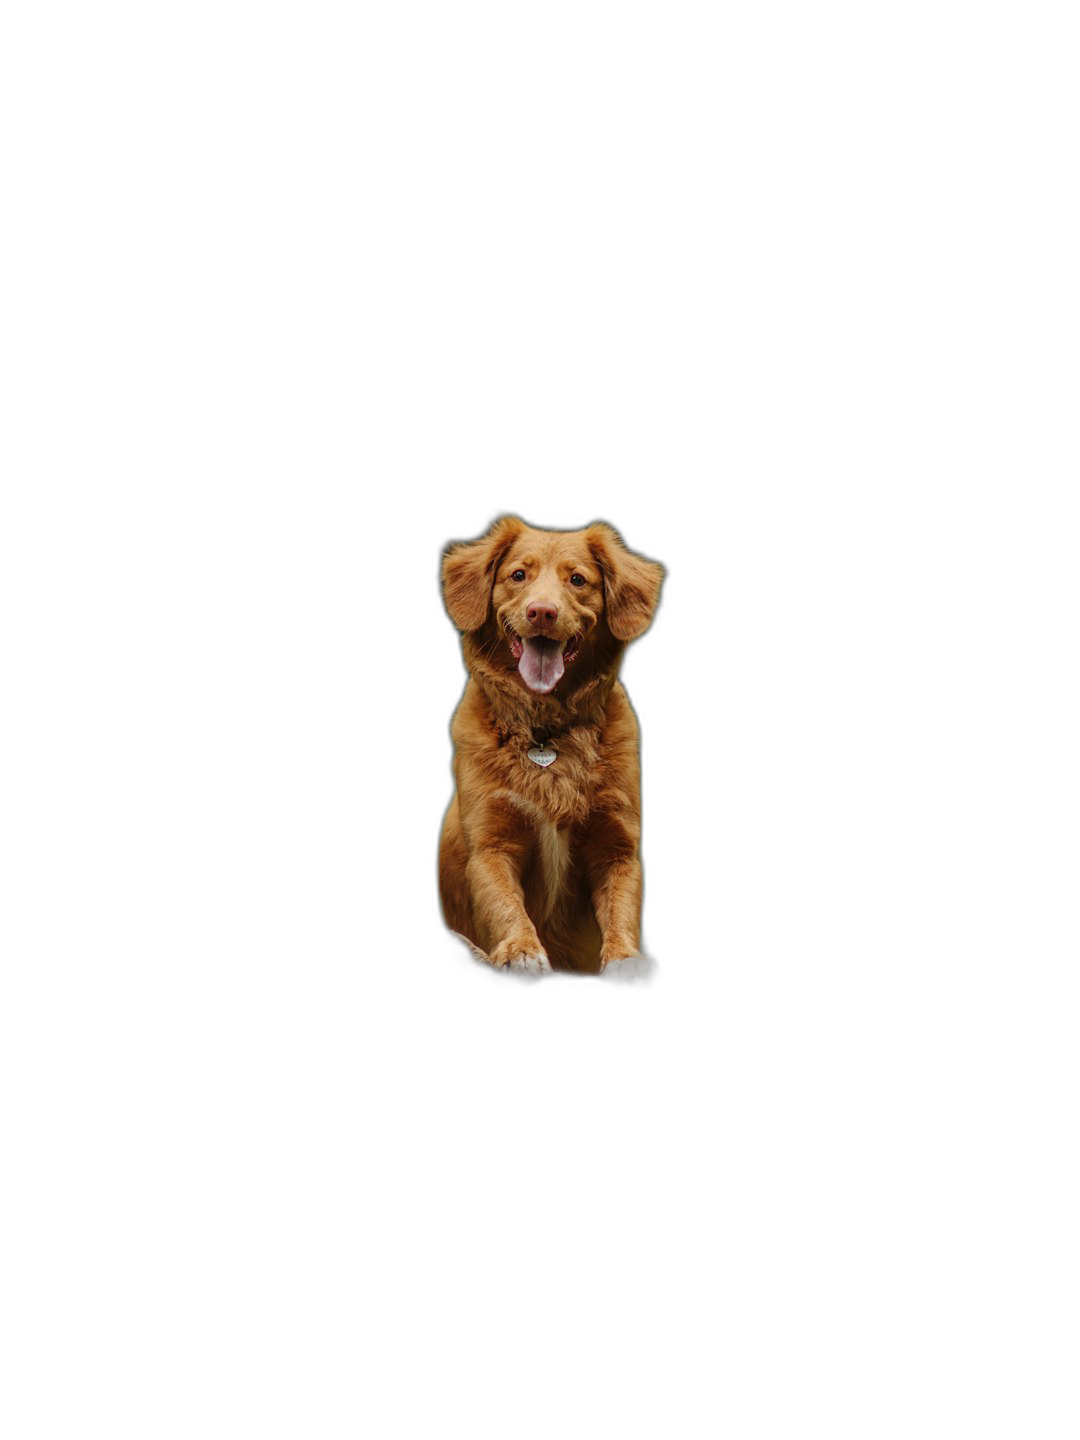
[{"x": 542, "y": 613}]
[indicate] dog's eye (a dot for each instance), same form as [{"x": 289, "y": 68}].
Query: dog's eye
[
  {"x": 518, "y": 575},
  {"x": 577, "y": 580}
]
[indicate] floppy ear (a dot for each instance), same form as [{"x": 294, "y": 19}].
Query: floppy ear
[
  {"x": 468, "y": 572},
  {"x": 631, "y": 583}
]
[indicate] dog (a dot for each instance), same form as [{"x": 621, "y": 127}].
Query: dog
[{"x": 539, "y": 855}]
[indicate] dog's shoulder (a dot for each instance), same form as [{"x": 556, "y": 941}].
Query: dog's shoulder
[{"x": 620, "y": 726}]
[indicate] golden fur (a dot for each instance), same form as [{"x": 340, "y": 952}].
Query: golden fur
[{"x": 539, "y": 866}]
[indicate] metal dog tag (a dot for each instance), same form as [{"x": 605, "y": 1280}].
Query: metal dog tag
[{"x": 542, "y": 754}]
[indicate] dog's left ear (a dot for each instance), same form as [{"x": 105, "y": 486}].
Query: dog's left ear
[
  {"x": 631, "y": 583},
  {"x": 468, "y": 572}
]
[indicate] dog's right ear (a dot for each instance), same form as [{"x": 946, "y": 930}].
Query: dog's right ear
[{"x": 468, "y": 572}]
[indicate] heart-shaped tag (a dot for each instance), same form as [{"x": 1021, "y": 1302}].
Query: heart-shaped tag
[{"x": 541, "y": 755}]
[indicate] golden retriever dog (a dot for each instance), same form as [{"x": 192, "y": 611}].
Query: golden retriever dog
[{"x": 538, "y": 861}]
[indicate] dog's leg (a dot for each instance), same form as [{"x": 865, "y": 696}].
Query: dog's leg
[
  {"x": 614, "y": 872},
  {"x": 494, "y": 873}
]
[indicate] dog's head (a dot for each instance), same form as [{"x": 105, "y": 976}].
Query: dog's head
[{"x": 549, "y": 599}]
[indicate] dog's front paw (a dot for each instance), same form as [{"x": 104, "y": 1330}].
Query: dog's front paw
[
  {"x": 634, "y": 969},
  {"x": 523, "y": 954},
  {"x": 618, "y": 948},
  {"x": 537, "y": 964}
]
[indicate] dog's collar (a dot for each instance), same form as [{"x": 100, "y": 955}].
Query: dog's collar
[{"x": 542, "y": 735}]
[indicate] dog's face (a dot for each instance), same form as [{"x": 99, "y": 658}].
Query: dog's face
[{"x": 549, "y": 599}]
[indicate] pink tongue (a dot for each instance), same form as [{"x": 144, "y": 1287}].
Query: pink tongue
[{"x": 541, "y": 665}]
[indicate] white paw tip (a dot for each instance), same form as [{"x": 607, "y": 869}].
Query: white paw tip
[
  {"x": 631, "y": 967},
  {"x": 531, "y": 965}
]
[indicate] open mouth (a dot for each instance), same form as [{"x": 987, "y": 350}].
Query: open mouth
[{"x": 541, "y": 660}]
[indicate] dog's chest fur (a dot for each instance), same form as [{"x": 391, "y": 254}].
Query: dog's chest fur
[{"x": 561, "y": 792}]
